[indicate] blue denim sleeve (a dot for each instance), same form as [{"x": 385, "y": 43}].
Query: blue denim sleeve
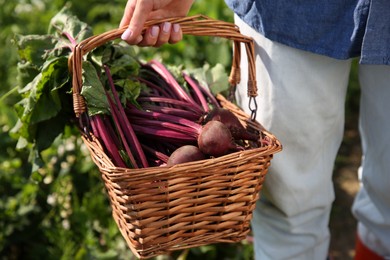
[
  {"x": 376, "y": 42},
  {"x": 328, "y": 27}
]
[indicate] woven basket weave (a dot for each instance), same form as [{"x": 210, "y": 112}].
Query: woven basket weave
[{"x": 162, "y": 209}]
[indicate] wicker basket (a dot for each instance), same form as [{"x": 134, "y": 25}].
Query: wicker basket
[{"x": 162, "y": 209}]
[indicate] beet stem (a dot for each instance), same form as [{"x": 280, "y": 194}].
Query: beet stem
[
  {"x": 125, "y": 122},
  {"x": 104, "y": 135},
  {"x": 197, "y": 91},
  {"x": 164, "y": 72}
]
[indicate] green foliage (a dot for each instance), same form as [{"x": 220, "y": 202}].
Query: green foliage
[
  {"x": 214, "y": 77},
  {"x": 45, "y": 82}
]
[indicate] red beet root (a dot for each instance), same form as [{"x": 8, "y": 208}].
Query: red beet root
[
  {"x": 216, "y": 140},
  {"x": 227, "y": 117},
  {"x": 185, "y": 153}
]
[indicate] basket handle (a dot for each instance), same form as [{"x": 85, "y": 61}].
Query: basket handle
[{"x": 198, "y": 25}]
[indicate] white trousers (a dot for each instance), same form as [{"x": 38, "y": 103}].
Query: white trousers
[{"x": 301, "y": 100}]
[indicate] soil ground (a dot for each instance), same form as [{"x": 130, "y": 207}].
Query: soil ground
[{"x": 342, "y": 222}]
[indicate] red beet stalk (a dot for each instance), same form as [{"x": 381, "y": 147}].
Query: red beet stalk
[{"x": 125, "y": 124}]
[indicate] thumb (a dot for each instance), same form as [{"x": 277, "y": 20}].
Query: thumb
[{"x": 128, "y": 13}]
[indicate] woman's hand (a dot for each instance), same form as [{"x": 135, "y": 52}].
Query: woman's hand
[{"x": 137, "y": 12}]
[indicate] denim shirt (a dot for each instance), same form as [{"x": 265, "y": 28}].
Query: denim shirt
[{"x": 340, "y": 29}]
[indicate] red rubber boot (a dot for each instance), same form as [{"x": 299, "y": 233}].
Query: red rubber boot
[{"x": 362, "y": 252}]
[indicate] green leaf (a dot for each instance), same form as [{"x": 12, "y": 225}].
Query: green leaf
[
  {"x": 36, "y": 177},
  {"x": 22, "y": 142},
  {"x": 33, "y": 49},
  {"x": 121, "y": 61},
  {"x": 131, "y": 90},
  {"x": 42, "y": 100},
  {"x": 26, "y": 73},
  {"x": 219, "y": 80},
  {"x": 36, "y": 160},
  {"x": 93, "y": 91},
  {"x": 215, "y": 77},
  {"x": 48, "y": 130},
  {"x": 65, "y": 22},
  {"x": 33, "y": 52}
]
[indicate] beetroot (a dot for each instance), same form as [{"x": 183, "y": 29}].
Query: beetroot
[
  {"x": 185, "y": 153},
  {"x": 227, "y": 117},
  {"x": 216, "y": 140}
]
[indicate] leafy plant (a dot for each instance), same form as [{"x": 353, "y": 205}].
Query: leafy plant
[{"x": 43, "y": 70}]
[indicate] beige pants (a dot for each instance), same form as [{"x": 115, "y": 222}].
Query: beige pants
[{"x": 301, "y": 100}]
